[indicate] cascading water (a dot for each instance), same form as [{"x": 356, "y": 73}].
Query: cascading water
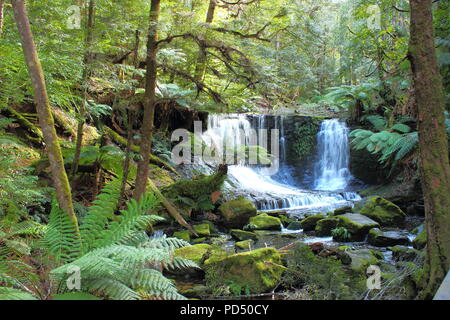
[
  {"x": 277, "y": 191},
  {"x": 332, "y": 170}
]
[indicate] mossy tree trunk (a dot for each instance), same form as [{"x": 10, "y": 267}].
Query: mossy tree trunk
[
  {"x": 149, "y": 101},
  {"x": 202, "y": 58},
  {"x": 433, "y": 144},
  {"x": 86, "y": 74},
  {"x": 59, "y": 176}
]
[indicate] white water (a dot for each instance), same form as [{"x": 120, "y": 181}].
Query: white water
[
  {"x": 332, "y": 170},
  {"x": 234, "y": 130}
]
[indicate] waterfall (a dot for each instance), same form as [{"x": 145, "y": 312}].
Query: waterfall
[
  {"x": 279, "y": 191},
  {"x": 332, "y": 170}
]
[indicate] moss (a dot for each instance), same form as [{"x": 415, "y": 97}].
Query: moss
[
  {"x": 264, "y": 222},
  {"x": 309, "y": 223},
  {"x": 202, "y": 229},
  {"x": 160, "y": 176},
  {"x": 243, "y": 235},
  {"x": 421, "y": 240},
  {"x": 245, "y": 245},
  {"x": 295, "y": 225},
  {"x": 361, "y": 259},
  {"x": 259, "y": 270},
  {"x": 236, "y": 213},
  {"x": 358, "y": 225},
  {"x": 183, "y": 235},
  {"x": 199, "y": 240},
  {"x": 382, "y": 211},
  {"x": 199, "y": 252},
  {"x": 325, "y": 226}
]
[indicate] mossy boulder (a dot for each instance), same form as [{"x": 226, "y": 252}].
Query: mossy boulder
[
  {"x": 404, "y": 253},
  {"x": 244, "y": 245},
  {"x": 200, "y": 252},
  {"x": 421, "y": 240},
  {"x": 342, "y": 210},
  {"x": 258, "y": 270},
  {"x": 384, "y": 212},
  {"x": 356, "y": 224},
  {"x": 295, "y": 225},
  {"x": 380, "y": 238},
  {"x": 325, "y": 226},
  {"x": 264, "y": 222},
  {"x": 362, "y": 258},
  {"x": 160, "y": 176},
  {"x": 203, "y": 230},
  {"x": 242, "y": 235},
  {"x": 183, "y": 235},
  {"x": 309, "y": 223},
  {"x": 236, "y": 213}
]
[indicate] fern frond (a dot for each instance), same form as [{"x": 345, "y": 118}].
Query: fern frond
[{"x": 15, "y": 294}]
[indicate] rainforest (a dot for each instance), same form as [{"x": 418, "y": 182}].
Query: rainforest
[{"x": 224, "y": 150}]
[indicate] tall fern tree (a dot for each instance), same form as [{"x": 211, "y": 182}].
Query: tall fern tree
[{"x": 115, "y": 257}]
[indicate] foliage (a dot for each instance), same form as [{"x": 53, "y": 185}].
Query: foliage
[
  {"x": 341, "y": 233},
  {"x": 305, "y": 138},
  {"x": 322, "y": 278}
]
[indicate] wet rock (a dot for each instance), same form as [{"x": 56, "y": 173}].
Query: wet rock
[
  {"x": 309, "y": 223},
  {"x": 259, "y": 270},
  {"x": 382, "y": 211},
  {"x": 244, "y": 245},
  {"x": 264, "y": 222},
  {"x": 357, "y": 224},
  {"x": 296, "y": 225},
  {"x": 325, "y": 226},
  {"x": 380, "y": 238},
  {"x": 236, "y": 213},
  {"x": 342, "y": 210},
  {"x": 195, "y": 291},
  {"x": 202, "y": 229},
  {"x": 199, "y": 252},
  {"x": 421, "y": 240},
  {"x": 363, "y": 258},
  {"x": 403, "y": 253},
  {"x": 243, "y": 235}
]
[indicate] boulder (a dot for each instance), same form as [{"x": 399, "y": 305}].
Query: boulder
[
  {"x": 199, "y": 252},
  {"x": 236, "y": 213},
  {"x": 380, "y": 238},
  {"x": 360, "y": 259},
  {"x": 244, "y": 245},
  {"x": 264, "y": 222},
  {"x": 382, "y": 211},
  {"x": 357, "y": 224},
  {"x": 342, "y": 210},
  {"x": 403, "y": 253},
  {"x": 258, "y": 270},
  {"x": 183, "y": 235},
  {"x": 203, "y": 230},
  {"x": 296, "y": 225},
  {"x": 242, "y": 235},
  {"x": 421, "y": 240},
  {"x": 325, "y": 226},
  {"x": 309, "y": 223}
]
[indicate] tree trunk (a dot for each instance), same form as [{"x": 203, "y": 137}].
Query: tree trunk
[
  {"x": 59, "y": 176},
  {"x": 200, "y": 67},
  {"x": 149, "y": 102},
  {"x": 433, "y": 145},
  {"x": 86, "y": 73},
  {"x": 2, "y": 5}
]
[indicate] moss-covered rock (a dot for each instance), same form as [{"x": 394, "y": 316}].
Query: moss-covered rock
[
  {"x": 380, "y": 238},
  {"x": 242, "y": 235},
  {"x": 325, "y": 226},
  {"x": 258, "y": 270},
  {"x": 421, "y": 240},
  {"x": 183, "y": 235},
  {"x": 382, "y": 211},
  {"x": 404, "y": 253},
  {"x": 245, "y": 245},
  {"x": 356, "y": 224},
  {"x": 309, "y": 223},
  {"x": 264, "y": 222},
  {"x": 160, "y": 176},
  {"x": 295, "y": 225},
  {"x": 203, "y": 230},
  {"x": 362, "y": 258},
  {"x": 236, "y": 213},
  {"x": 199, "y": 240},
  {"x": 200, "y": 252},
  {"x": 342, "y": 210}
]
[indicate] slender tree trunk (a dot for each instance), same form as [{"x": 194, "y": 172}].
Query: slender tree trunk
[
  {"x": 433, "y": 144},
  {"x": 61, "y": 183},
  {"x": 86, "y": 74},
  {"x": 2, "y": 5},
  {"x": 200, "y": 66},
  {"x": 149, "y": 102}
]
